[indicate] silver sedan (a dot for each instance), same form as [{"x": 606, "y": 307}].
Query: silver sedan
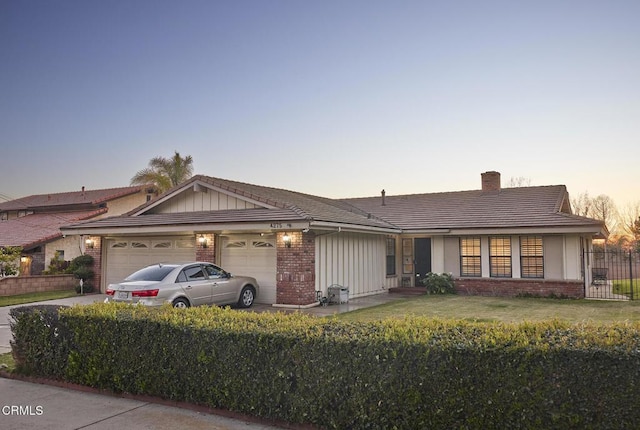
[{"x": 184, "y": 285}]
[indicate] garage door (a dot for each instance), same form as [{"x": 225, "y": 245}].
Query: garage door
[
  {"x": 126, "y": 255},
  {"x": 252, "y": 255}
]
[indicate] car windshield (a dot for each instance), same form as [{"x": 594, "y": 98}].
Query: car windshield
[{"x": 151, "y": 273}]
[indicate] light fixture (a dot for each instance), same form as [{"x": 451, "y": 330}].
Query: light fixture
[
  {"x": 287, "y": 240},
  {"x": 24, "y": 259},
  {"x": 89, "y": 243},
  {"x": 203, "y": 241}
]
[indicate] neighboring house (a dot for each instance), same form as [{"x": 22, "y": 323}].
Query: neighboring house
[
  {"x": 494, "y": 241},
  {"x": 34, "y": 222}
]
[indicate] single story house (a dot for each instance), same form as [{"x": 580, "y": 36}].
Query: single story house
[
  {"x": 494, "y": 241},
  {"x": 33, "y": 222}
]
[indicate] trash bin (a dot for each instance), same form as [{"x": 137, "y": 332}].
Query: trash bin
[{"x": 338, "y": 294}]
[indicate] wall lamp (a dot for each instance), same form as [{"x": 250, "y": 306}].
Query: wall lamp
[
  {"x": 202, "y": 241},
  {"x": 89, "y": 242},
  {"x": 287, "y": 240}
]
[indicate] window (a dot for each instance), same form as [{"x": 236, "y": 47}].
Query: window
[
  {"x": 531, "y": 257},
  {"x": 214, "y": 272},
  {"x": 193, "y": 273},
  {"x": 391, "y": 256},
  {"x": 162, "y": 245},
  {"x": 262, "y": 244},
  {"x": 236, "y": 244},
  {"x": 500, "y": 257},
  {"x": 470, "y": 256}
]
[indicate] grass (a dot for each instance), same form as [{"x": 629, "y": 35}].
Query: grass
[
  {"x": 35, "y": 297},
  {"x": 7, "y": 359},
  {"x": 623, "y": 286},
  {"x": 491, "y": 309}
]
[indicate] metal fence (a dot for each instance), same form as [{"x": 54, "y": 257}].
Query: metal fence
[{"x": 615, "y": 275}]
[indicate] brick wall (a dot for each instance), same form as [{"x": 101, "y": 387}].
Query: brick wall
[
  {"x": 36, "y": 284},
  {"x": 96, "y": 253},
  {"x": 515, "y": 287},
  {"x": 296, "y": 269},
  {"x": 207, "y": 254}
]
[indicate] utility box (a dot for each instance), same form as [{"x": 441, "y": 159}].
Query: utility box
[{"x": 338, "y": 294}]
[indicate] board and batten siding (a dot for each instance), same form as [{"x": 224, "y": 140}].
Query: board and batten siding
[
  {"x": 198, "y": 201},
  {"x": 353, "y": 260}
]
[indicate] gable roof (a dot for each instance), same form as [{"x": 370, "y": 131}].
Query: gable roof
[
  {"x": 71, "y": 198},
  {"x": 33, "y": 230},
  {"x": 506, "y": 210},
  {"x": 278, "y": 206},
  {"x": 523, "y": 207}
]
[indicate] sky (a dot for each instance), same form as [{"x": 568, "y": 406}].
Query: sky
[{"x": 333, "y": 98}]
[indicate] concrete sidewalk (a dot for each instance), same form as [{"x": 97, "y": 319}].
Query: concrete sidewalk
[{"x": 26, "y": 405}]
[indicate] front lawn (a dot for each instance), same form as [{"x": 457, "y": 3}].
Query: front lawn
[
  {"x": 476, "y": 308},
  {"x": 35, "y": 297},
  {"x": 7, "y": 360},
  {"x": 623, "y": 286}
]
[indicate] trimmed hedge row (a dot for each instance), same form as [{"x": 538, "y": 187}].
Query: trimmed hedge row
[{"x": 399, "y": 373}]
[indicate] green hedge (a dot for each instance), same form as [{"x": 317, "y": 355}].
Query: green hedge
[{"x": 399, "y": 373}]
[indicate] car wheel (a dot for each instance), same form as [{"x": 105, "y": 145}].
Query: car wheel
[
  {"x": 181, "y": 303},
  {"x": 247, "y": 296}
]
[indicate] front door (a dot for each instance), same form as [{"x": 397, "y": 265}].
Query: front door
[{"x": 422, "y": 253}]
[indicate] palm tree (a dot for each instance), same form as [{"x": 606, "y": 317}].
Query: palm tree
[{"x": 165, "y": 173}]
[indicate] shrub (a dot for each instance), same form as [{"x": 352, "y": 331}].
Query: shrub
[
  {"x": 438, "y": 283},
  {"x": 57, "y": 265},
  {"x": 82, "y": 268},
  {"x": 40, "y": 340},
  {"x": 398, "y": 373}
]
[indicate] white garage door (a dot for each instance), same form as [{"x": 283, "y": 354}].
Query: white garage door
[
  {"x": 252, "y": 255},
  {"x": 126, "y": 255}
]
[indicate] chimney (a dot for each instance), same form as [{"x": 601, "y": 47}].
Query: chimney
[
  {"x": 384, "y": 203},
  {"x": 491, "y": 181}
]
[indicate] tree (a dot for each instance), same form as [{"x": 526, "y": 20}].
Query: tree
[
  {"x": 604, "y": 209},
  {"x": 8, "y": 257},
  {"x": 165, "y": 173},
  {"x": 520, "y": 181},
  {"x": 582, "y": 204}
]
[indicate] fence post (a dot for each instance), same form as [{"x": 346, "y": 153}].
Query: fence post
[{"x": 631, "y": 273}]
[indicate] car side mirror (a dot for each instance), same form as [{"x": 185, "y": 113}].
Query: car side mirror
[{"x": 227, "y": 274}]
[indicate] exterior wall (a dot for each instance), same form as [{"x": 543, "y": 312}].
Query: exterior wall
[
  {"x": 125, "y": 204},
  {"x": 562, "y": 256},
  {"x": 353, "y": 260},
  {"x": 517, "y": 287},
  {"x": 36, "y": 284},
  {"x": 295, "y": 273},
  {"x": 452, "y": 256},
  {"x": 207, "y": 254},
  {"x": 196, "y": 201},
  {"x": 553, "y": 257},
  {"x": 70, "y": 245}
]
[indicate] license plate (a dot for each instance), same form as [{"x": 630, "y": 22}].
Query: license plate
[{"x": 123, "y": 295}]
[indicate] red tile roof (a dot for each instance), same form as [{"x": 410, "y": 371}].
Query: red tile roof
[
  {"x": 72, "y": 198},
  {"x": 32, "y": 230}
]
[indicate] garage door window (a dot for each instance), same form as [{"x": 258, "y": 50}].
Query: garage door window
[
  {"x": 236, "y": 244},
  {"x": 139, "y": 245},
  {"x": 162, "y": 245},
  {"x": 262, "y": 244},
  {"x": 119, "y": 245}
]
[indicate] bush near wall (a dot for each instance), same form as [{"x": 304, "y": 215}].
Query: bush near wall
[{"x": 399, "y": 373}]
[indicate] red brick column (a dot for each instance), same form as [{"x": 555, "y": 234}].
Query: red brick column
[
  {"x": 96, "y": 252},
  {"x": 296, "y": 269},
  {"x": 206, "y": 253}
]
